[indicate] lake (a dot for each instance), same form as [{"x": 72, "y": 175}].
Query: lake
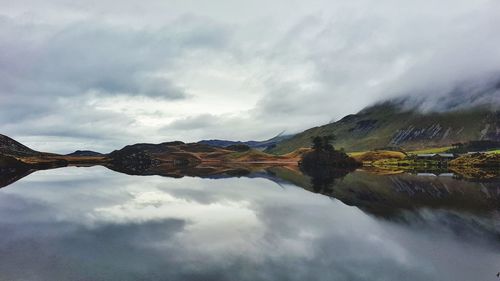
[{"x": 95, "y": 224}]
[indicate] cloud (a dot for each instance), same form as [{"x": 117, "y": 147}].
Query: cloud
[
  {"x": 220, "y": 126},
  {"x": 351, "y": 60},
  {"x": 52, "y": 75},
  {"x": 194, "y": 122},
  {"x": 87, "y": 56},
  {"x": 233, "y": 70}
]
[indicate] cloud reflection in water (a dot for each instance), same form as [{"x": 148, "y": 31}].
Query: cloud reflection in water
[{"x": 93, "y": 224}]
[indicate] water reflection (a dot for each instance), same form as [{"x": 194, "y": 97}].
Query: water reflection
[
  {"x": 324, "y": 178},
  {"x": 382, "y": 193},
  {"x": 94, "y": 224}
]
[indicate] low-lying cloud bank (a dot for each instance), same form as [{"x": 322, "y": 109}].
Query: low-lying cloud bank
[{"x": 101, "y": 75}]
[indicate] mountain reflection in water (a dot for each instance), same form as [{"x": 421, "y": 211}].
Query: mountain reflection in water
[{"x": 256, "y": 222}]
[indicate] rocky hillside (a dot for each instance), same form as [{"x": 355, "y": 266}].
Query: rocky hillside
[
  {"x": 11, "y": 147},
  {"x": 389, "y": 125}
]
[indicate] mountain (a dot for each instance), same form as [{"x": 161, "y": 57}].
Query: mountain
[
  {"x": 392, "y": 124},
  {"x": 253, "y": 144}
]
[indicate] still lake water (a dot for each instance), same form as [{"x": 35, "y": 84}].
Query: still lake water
[{"x": 96, "y": 224}]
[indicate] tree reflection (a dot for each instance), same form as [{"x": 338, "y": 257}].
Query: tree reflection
[{"x": 324, "y": 178}]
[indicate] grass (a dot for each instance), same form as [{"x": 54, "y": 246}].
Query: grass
[
  {"x": 357, "y": 153},
  {"x": 372, "y": 156},
  {"x": 494, "y": 151},
  {"x": 478, "y": 160},
  {"x": 408, "y": 163},
  {"x": 258, "y": 156},
  {"x": 432, "y": 150}
]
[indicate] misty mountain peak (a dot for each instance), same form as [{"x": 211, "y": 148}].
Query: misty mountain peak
[{"x": 474, "y": 93}]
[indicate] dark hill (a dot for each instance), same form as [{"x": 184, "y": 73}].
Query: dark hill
[
  {"x": 84, "y": 153},
  {"x": 11, "y": 147}
]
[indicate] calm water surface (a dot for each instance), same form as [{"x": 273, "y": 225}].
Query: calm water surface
[{"x": 95, "y": 224}]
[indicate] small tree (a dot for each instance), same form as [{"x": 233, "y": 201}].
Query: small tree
[
  {"x": 323, "y": 143},
  {"x": 317, "y": 143},
  {"x": 327, "y": 140},
  {"x": 325, "y": 155}
]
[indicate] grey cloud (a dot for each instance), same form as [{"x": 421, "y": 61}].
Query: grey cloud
[
  {"x": 194, "y": 122},
  {"x": 88, "y": 55},
  {"x": 116, "y": 60},
  {"x": 230, "y": 127}
]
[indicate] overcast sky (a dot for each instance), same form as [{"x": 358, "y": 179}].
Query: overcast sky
[{"x": 101, "y": 74}]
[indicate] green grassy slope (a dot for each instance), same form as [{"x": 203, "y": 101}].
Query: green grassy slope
[{"x": 385, "y": 125}]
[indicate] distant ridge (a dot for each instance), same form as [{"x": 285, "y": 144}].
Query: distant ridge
[{"x": 266, "y": 144}]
